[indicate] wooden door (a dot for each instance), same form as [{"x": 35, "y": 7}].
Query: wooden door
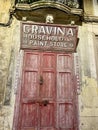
[
  {"x": 65, "y": 108},
  {"x": 47, "y": 92}
]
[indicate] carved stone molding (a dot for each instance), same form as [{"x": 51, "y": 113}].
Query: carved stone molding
[
  {"x": 90, "y": 18},
  {"x": 44, "y": 4}
]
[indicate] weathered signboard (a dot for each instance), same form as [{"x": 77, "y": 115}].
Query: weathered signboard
[{"x": 49, "y": 37}]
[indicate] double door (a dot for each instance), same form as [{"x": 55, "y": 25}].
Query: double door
[{"x": 47, "y": 92}]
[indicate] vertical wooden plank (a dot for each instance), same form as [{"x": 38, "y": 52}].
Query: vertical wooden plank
[
  {"x": 64, "y": 92},
  {"x": 31, "y": 75},
  {"x": 48, "y": 91},
  {"x": 29, "y": 111}
]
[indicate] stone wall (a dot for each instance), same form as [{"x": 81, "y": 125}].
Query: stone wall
[
  {"x": 9, "y": 46},
  {"x": 88, "y": 98},
  {"x": 9, "y": 49}
]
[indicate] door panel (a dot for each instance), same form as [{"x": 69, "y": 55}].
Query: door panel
[
  {"x": 47, "y": 94},
  {"x": 48, "y": 72},
  {"x": 64, "y": 83},
  {"x": 32, "y": 61},
  {"x": 65, "y": 113},
  {"x": 47, "y": 116},
  {"x": 64, "y": 92},
  {"x": 48, "y": 61},
  {"x": 31, "y": 75},
  {"x": 64, "y": 77},
  {"x": 30, "y": 115},
  {"x": 30, "y": 92},
  {"x": 48, "y": 89},
  {"x": 64, "y": 62},
  {"x": 31, "y": 86}
]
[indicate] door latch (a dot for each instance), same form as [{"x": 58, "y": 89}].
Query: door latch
[
  {"x": 44, "y": 103},
  {"x": 41, "y": 80}
]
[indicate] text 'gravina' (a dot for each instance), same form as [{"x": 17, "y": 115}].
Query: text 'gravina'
[{"x": 48, "y": 30}]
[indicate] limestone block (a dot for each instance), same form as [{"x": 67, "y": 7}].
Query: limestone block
[
  {"x": 89, "y": 96},
  {"x": 89, "y": 112},
  {"x": 88, "y": 123}
]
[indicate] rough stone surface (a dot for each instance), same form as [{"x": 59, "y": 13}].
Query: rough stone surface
[
  {"x": 88, "y": 105},
  {"x": 9, "y": 46}
]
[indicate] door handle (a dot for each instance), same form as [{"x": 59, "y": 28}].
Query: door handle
[
  {"x": 43, "y": 103},
  {"x": 41, "y": 80}
]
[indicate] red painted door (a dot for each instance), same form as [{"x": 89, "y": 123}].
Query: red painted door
[
  {"x": 65, "y": 109},
  {"x": 47, "y": 92}
]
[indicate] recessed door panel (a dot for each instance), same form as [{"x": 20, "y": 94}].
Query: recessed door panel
[
  {"x": 65, "y": 111},
  {"x": 31, "y": 61},
  {"x": 31, "y": 86},
  {"x": 64, "y": 83},
  {"x": 48, "y": 89},
  {"x": 47, "y": 116},
  {"x": 30, "y": 115}
]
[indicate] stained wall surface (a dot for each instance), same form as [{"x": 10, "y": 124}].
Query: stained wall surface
[{"x": 87, "y": 68}]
